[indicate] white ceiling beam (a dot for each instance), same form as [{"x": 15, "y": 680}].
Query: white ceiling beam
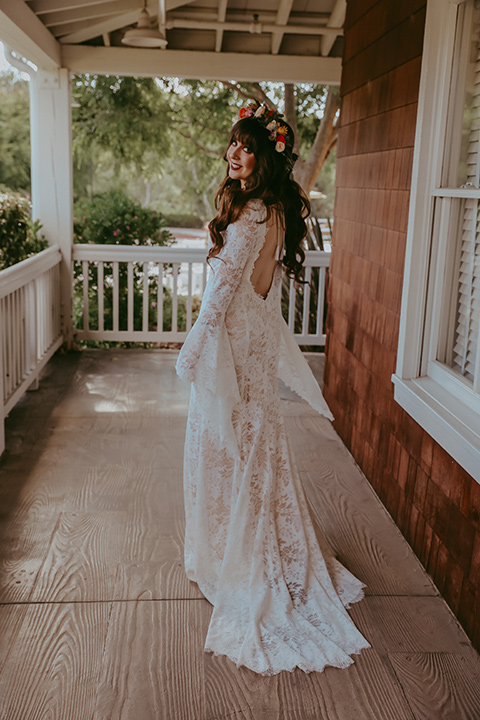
[
  {"x": 222, "y": 12},
  {"x": 336, "y": 19},
  {"x": 39, "y": 7},
  {"x": 283, "y": 14},
  {"x": 201, "y": 65},
  {"x": 60, "y": 31},
  {"x": 22, "y": 31},
  {"x": 162, "y": 14},
  {"x": 92, "y": 12},
  {"x": 247, "y": 27},
  {"x": 117, "y": 23}
]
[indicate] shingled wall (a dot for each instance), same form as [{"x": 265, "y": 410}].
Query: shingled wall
[{"x": 433, "y": 501}]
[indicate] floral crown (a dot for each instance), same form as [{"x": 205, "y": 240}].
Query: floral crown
[{"x": 275, "y": 125}]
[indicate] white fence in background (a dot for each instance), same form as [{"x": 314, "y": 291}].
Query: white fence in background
[
  {"x": 152, "y": 294},
  {"x": 30, "y": 327}
]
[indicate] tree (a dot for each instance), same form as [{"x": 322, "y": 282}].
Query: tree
[{"x": 14, "y": 133}]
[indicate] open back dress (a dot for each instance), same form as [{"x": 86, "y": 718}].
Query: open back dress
[{"x": 279, "y": 595}]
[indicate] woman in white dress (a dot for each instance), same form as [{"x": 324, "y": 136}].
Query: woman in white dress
[{"x": 279, "y": 595}]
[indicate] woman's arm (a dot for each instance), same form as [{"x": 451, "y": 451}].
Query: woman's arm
[{"x": 243, "y": 238}]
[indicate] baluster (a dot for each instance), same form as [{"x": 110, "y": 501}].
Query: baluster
[
  {"x": 160, "y": 297},
  {"x": 189, "y": 298},
  {"x": 306, "y": 301},
  {"x": 100, "y": 291},
  {"x": 115, "y": 296},
  {"x": 130, "y": 296},
  {"x": 320, "y": 300},
  {"x": 175, "y": 298},
  {"x": 86, "y": 320},
  {"x": 291, "y": 306},
  {"x": 145, "y": 298}
]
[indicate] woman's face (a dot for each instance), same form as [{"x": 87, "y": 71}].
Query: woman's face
[{"x": 241, "y": 162}]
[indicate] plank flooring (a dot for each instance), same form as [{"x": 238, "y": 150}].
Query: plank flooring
[{"x": 97, "y": 618}]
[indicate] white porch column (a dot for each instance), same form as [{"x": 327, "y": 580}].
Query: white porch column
[{"x": 52, "y": 180}]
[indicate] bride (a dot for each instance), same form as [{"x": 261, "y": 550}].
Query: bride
[{"x": 279, "y": 595}]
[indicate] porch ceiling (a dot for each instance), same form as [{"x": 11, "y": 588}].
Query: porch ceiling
[{"x": 293, "y": 40}]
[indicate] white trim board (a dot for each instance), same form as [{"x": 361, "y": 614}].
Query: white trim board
[{"x": 202, "y": 65}]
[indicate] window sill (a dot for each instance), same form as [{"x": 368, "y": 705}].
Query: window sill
[{"x": 454, "y": 425}]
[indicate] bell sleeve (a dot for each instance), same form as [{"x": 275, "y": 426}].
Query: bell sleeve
[
  {"x": 295, "y": 372},
  {"x": 206, "y": 358}
]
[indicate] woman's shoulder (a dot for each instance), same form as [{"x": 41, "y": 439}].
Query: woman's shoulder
[{"x": 254, "y": 208}]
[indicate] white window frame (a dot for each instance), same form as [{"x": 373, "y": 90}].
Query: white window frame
[{"x": 438, "y": 398}]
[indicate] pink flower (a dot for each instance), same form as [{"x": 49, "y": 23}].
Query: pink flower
[
  {"x": 154, "y": 304},
  {"x": 128, "y": 227},
  {"x": 115, "y": 233}
]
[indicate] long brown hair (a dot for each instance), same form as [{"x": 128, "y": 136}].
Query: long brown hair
[{"x": 272, "y": 182}]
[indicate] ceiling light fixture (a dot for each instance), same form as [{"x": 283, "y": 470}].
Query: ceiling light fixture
[{"x": 144, "y": 35}]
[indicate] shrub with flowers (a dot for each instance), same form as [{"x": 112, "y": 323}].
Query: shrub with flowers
[
  {"x": 114, "y": 219},
  {"x": 19, "y": 237}
]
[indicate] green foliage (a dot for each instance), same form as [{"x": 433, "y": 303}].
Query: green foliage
[
  {"x": 114, "y": 219},
  {"x": 14, "y": 132},
  {"x": 18, "y": 233},
  {"x": 126, "y": 115}
]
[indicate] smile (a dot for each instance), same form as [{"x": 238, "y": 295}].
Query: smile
[{"x": 234, "y": 166}]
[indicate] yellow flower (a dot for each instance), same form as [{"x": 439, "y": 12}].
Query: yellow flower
[{"x": 282, "y": 130}]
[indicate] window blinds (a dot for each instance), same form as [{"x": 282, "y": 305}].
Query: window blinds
[{"x": 468, "y": 300}]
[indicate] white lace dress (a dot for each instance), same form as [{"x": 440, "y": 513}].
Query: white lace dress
[{"x": 279, "y": 597}]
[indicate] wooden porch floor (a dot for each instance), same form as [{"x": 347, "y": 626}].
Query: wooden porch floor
[{"x": 98, "y": 621}]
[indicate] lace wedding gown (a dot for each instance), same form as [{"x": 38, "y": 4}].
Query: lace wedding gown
[{"x": 279, "y": 594}]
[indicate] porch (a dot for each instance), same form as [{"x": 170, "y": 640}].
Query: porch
[{"x": 97, "y": 619}]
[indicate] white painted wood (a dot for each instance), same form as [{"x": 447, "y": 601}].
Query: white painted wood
[
  {"x": 115, "y": 297},
  {"x": 100, "y": 291},
  {"x": 30, "y": 330},
  {"x": 145, "y": 307},
  {"x": 336, "y": 20},
  {"x": 306, "y": 301},
  {"x": 130, "y": 297},
  {"x": 246, "y": 27},
  {"x": 201, "y": 65},
  {"x": 283, "y": 13},
  {"x": 291, "y": 305},
  {"x": 52, "y": 179},
  {"x": 159, "y": 260},
  {"x": 22, "y": 31},
  {"x": 86, "y": 324},
  {"x": 116, "y": 23},
  {"x": 222, "y": 11},
  {"x": 432, "y": 393},
  {"x": 431, "y": 406},
  {"x": 40, "y": 7},
  {"x": 88, "y": 12},
  {"x": 433, "y": 98}
]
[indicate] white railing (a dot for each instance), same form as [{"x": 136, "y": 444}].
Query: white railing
[
  {"x": 30, "y": 328},
  {"x": 152, "y": 294}
]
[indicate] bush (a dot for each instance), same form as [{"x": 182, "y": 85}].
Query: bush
[
  {"x": 113, "y": 219},
  {"x": 18, "y": 233}
]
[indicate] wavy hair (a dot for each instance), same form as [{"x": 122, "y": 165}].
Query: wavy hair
[{"x": 271, "y": 181}]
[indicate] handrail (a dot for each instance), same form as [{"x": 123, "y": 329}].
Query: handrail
[
  {"x": 30, "y": 325},
  {"x": 164, "y": 281}
]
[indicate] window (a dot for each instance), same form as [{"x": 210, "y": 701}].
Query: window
[{"x": 437, "y": 378}]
